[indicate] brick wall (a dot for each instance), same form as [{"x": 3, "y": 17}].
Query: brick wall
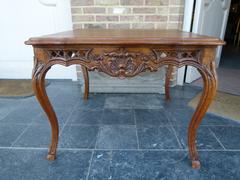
[
  {"x": 127, "y": 14},
  {"x": 158, "y": 14}
]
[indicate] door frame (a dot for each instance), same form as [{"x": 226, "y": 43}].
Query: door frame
[{"x": 188, "y": 22}]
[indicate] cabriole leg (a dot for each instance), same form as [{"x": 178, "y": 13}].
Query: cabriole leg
[
  {"x": 38, "y": 85},
  {"x": 210, "y": 83}
]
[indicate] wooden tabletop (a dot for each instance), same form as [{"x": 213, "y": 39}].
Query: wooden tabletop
[{"x": 126, "y": 36}]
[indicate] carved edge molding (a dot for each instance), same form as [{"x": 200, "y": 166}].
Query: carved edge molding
[{"x": 121, "y": 62}]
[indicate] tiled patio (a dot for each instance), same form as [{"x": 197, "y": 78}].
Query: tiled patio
[{"x": 114, "y": 136}]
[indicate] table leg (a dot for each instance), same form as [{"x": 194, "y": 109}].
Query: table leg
[
  {"x": 167, "y": 82},
  {"x": 210, "y": 85},
  {"x": 38, "y": 85},
  {"x": 86, "y": 82}
]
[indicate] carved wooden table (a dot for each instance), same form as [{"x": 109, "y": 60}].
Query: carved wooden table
[{"x": 126, "y": 53}]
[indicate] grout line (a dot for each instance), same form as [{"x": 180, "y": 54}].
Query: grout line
[
  {"x": 90, "y": 165},
  {"x": 216, "y": 138},
  {"x": 140, "y": 150},
  {"x": 14, "y": 142},
  {"x": 174, "y": 131},
  {"x": 112, "y": 14},
  {"x": 135, "y": 121},
  {"x": 68, "y": 119},
  {"x": 128, "y": 6},
  {"x": 99, "y": 128},
  {"x": 206, "y": 125}
]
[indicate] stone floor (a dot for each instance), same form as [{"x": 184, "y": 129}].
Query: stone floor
[{"x": 114, "y": 136}]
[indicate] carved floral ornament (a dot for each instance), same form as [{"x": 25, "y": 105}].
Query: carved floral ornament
[{"x": 123, "y": 62}]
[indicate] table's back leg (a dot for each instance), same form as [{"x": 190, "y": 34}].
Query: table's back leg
[
  {"x": 167, "y": 82},
  {"x": 210, "y": 84},
  {"x": 38, "y": 85},
  {"x": 86, "y": 82}
]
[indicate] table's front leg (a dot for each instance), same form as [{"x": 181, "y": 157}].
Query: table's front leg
[
  {"x": 209, "y": 76},
  {"x": 38, "y": 84}
]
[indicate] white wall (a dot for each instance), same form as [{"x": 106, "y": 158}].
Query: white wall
[{"x": 22, "y": 19}]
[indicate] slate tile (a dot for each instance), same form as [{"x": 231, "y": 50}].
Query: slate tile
[
  {"x": 64, "y": 101},
  {"x": 61, "y": 113},
  {"x": 184, "y": 92},
  {"x": 4, "y": 111},
  {"x": 228, "y": 136},
  {"x": 167, "y": 165},
  {"x": 31, "y": 164},
  {"x": 79, "y": 137},
  {"x": 133, "y": 101},
  {"x": 30, "y": 102},
  {"x": 146, "y": 101},
  {"x": 151, "y": 117},
  {"x": 117, "y": 137},
  {"x": 9, "y": 133},
  {"x": 10, "y": 103},
  {"x": 86, "y": 117},
  {"x": 36, "y": 135},
  {"x": 180, "y": 117},
  {"x": 117, "y": 117},
  {"x": 118, "y": 102},
  {"x": 157, "y": 138},
  {"x": 205, "y": 138},
  {"x": 22, "y": 115},
  {"x": 95, "y": 102}
]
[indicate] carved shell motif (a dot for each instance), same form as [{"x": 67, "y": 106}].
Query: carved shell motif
[{"x": 123, "y": 63}]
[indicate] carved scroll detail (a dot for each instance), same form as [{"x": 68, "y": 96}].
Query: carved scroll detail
[
  {"x": 122, "y": 62},
  {"x": 179, "y": 55},
  {"x": 37, "y": 67},
  {"x": 68, "y": 54}
]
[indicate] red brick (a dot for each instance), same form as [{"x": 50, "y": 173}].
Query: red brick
[
  {"x": 118, "y": 26},
  {"x": 176, "y": 2},
  {"x": 107, "y": 18},
  {"x": 82, "y": 18},
  {"x": 157, "y": 2},
  {"x": 144, "y": 10},
  {"x": 155, "y": 18},
  {"x": 94, "y": 10},
  {"x": 82, "y": 2},
  {"x": 176, "y": 10},
  {"x": 135, "y": 18},
  {"x": 132, "y": 2},
  {"x": 143, "y": 26},
  {"x": 76, "y": 11},
  {"x": 175, "y": 26},
  {"x": 96, "y": 26},
  {"x": 175, "y": 18}
]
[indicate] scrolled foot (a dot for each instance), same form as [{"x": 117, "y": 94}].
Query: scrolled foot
[
  {"x": 51, "y": 157},
  {"x": 196, "y": 164}
]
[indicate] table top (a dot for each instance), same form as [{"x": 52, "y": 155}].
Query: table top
[{"x": 125, "y": 36}]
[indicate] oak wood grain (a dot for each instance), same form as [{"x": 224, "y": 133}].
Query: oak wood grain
[{"x": 124, "y": 36}]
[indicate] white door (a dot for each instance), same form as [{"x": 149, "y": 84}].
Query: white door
[
  {"x": 210, "y": 18},
  {"x": 20, "y": 20}
]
